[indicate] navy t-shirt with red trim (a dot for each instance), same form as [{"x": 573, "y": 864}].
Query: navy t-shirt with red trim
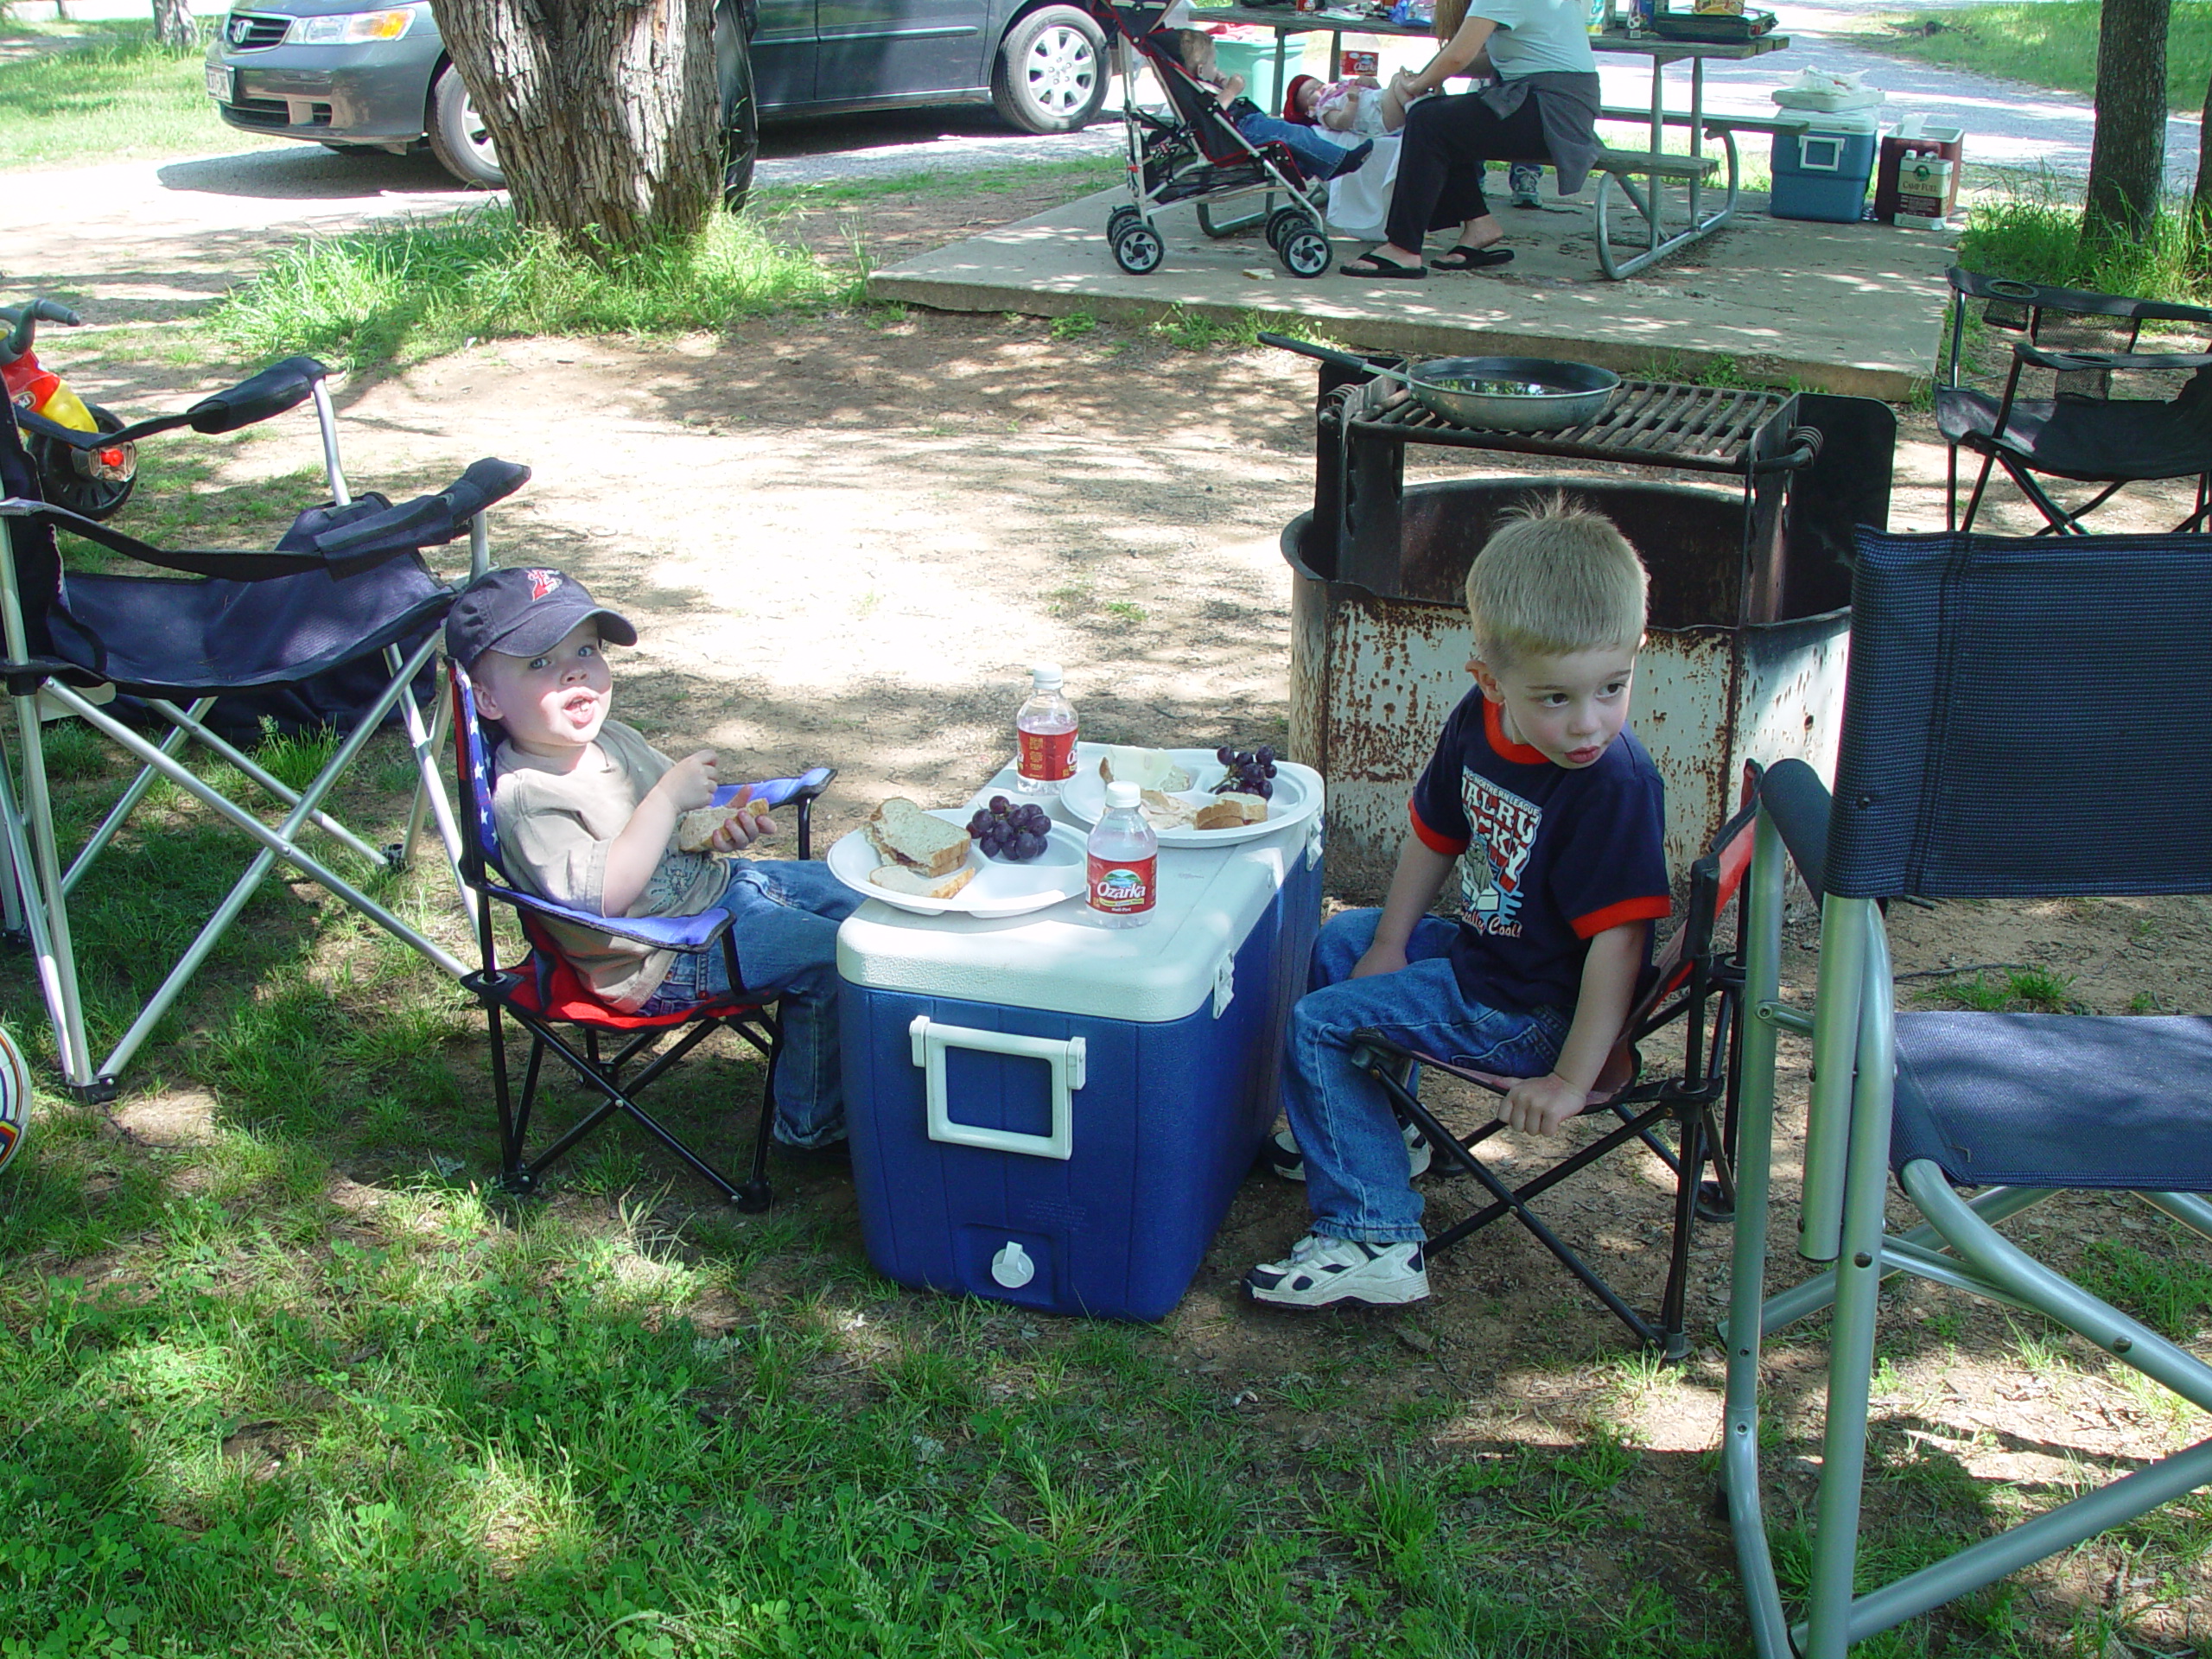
[{"x": 1550, "y": 857}]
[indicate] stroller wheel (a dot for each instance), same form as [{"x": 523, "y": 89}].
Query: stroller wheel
[
  {"x": 1283, "y": 221},
  {"x": 1137, "y": 249},
  {"x": 1122, "y": 215},
  {"x": 1305, "y": 252}
]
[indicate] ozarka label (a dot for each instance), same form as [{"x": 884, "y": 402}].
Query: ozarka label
[
  {"x": 1047, "y": 756},
  {"x": 1121, "y": 886}
]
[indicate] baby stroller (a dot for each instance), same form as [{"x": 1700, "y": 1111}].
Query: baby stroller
[{"x": 1194, "y": 154}]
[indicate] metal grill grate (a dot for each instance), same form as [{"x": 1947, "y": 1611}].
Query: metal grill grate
[{"x": 1702, "y": 429}]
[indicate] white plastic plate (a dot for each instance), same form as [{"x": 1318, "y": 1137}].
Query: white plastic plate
[
  {"x": 1085, "y": 797},
  {"x": 999, "y": 888}
]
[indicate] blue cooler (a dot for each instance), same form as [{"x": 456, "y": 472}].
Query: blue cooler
[
  {"x": 1822, "y": 172},
  {"x": 1051, "y": 1113}
]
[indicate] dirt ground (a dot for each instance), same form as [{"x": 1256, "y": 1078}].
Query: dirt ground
[{"x": 845, "y": 537}]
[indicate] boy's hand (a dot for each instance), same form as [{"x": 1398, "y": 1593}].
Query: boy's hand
[
  {"x": 743, "y": 828},
  {"x": 1539, "y": 1105},
  {"x": 1380, "y": 959},
  {"x": 690, "y": 782}
]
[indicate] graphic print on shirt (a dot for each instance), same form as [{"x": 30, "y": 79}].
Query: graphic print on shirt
[{"x": 1496, "y": 858}]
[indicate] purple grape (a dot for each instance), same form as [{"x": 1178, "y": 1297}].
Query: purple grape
[
  {"x": 1226, "y": 756},
  {"x": 1000, "y": 805},
  {"x": 1266, "y": 757}
]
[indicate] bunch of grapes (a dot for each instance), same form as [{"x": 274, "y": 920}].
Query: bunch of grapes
[
  {"x": 1248, "y": 774},
  {"x": 1004, "y": 831}
]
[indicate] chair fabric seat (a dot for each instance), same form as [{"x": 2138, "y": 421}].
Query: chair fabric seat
[
  {"x": 177, "y": 638},
  {"x": 549, "y": 987},
  {"x": 2087, "y": 440},
  {"x": 2056, "y": 1100}
]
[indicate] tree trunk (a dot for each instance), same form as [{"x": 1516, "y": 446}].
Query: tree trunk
[
  {"x": 2201, "y": 201},
  {"x": 173, "y": 24},
  {"x": 2127, "y": 158},
  {"x": 602, "y": 112}
]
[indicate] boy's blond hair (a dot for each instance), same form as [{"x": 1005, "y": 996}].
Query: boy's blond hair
[{"x": 1553, "y": 578}]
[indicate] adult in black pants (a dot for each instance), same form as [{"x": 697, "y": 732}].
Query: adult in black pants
[{"x": 1543, "y": 107}]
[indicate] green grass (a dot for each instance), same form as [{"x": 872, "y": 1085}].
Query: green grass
[
  {"x": 114, "y": 97},
  {"x": 412, "y": 290},
  {"x": 2043, "y": 43},
  {"x": 2034, "y": 234}
]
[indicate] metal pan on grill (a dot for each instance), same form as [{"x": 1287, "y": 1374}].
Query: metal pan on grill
[{"x": 1498, "y": 394}]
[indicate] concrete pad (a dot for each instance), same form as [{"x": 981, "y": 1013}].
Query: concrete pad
[{"x": 1850, "y": 308}]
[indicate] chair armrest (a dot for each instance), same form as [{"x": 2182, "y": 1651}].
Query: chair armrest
[
  {"x": 663, "y": 933},
  {"x": 1797, "y": 801},
  {"x": 805, "y": 789},
  {"x": 2078, "y": 301},
  {"x": 2075, "y": 362},
  {"x": 428, "y": 520}
]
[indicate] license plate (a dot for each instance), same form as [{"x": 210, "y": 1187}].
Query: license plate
[{"x": 219, "y": 84}]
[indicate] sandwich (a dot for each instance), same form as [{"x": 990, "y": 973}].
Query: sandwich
[
  {"x": 897, "y": 878},
  {"x": 1230, "y": 811},
  {"x": 909, "y": 838},
  {"x": 696, "y": 830},
  {"x": 1145, "y": 768},
  {"x": 1164, "y": 811}
]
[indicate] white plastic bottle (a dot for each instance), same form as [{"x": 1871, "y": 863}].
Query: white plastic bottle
[
  {"x": 1044, "y": 728},
  {"x": 1123, "y": 861}
]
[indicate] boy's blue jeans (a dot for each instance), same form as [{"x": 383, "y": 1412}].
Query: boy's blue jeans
[
  {"x": 785, "y": 914},
  {"x": 1358, "y": 1178}
]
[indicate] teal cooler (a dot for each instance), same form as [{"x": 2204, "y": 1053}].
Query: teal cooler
[
  {"x": 1052, "y": 1114},
  {"x": 1822, "y": 172},
  {"x": 1255, "y": 62}
]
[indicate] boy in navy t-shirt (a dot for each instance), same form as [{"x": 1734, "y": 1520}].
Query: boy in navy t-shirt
[{"x": 1551, "y": 812}]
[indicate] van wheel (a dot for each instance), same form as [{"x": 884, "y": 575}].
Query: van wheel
[
  {"x": 457, "y": 135},
  {"x": 1051, "y": 73}
]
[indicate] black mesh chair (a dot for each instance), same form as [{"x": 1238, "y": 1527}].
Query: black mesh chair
[
  {"x": 1695, "y": 986},
  {"x": 2080, "y": 432},
  {"x": 1962, "y": 773},
  {"x": 346, "y": 591},
  {"x": 545, "y": 996}
]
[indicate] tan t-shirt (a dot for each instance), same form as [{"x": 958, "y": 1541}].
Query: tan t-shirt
[{"x": 555, "y": 829}]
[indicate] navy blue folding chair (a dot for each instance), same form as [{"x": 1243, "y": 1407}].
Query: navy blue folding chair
[
  {"x": 1970, "y": 769},
  {"x": 543, "y": 992},
  {"x": 345, "y": 593}
]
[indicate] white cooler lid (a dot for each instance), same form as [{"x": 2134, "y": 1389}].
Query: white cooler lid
[{"x": 1062, "y": 960}]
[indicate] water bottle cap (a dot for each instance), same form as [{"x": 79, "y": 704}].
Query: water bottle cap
[
  {"x": 1122, "y": 796},
  {"x": 1046, "y": 676}
]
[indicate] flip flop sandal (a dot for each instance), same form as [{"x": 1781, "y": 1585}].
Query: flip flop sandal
[
  {"x": 1471, "y": 259},
  {"x": 1367, "y": 265}
]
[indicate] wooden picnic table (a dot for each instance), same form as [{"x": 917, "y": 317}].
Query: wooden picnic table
[{"x": 1622, "y": 167}]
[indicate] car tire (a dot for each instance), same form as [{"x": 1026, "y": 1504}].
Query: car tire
[
  {"x": 1050, "y": 71},
  {"x": 457, "y": 137},
  {"x": 741, "y": 108}
]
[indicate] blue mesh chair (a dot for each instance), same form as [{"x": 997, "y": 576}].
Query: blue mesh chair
[
  {"x": 543, "y": 994},
  {"x": 1965, "y": 772},
  {"x": 345, "y": 593}
]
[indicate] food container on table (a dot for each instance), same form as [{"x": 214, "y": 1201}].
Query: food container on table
[{"x": 1054, "y": 1114}]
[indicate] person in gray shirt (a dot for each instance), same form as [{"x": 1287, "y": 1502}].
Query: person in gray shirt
[{"x": 1543, "y": 108}]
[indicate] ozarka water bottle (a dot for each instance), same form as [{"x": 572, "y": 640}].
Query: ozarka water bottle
[
  {"x": 1044, "y": 728},
  {"x": 1123, "y": 861}
]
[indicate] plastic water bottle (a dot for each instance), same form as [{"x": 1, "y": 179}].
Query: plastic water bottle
[
  {"x": 1044, "y": 728},
  {"x": 1123, "y": 861}
]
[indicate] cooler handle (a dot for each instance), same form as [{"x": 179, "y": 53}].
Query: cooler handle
[
  {"x": 1064, "y": 1055},
  {"x": 1805, "y": 146},
  {"x": 1313, "y": 837}
]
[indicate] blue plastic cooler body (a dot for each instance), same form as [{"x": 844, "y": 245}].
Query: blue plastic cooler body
[
  {"x": 1821, "y": 175},
  {"x": 1167, "y": 1123}
]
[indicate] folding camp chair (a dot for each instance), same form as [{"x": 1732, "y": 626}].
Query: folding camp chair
[
  {"x": 543, "y": 992},
  {"x": 347, "y": 586},
  {"x": 2080, "y": 432},
  {"x": 1692, "y": 983},
  {"x": 1962, "y": 773}
]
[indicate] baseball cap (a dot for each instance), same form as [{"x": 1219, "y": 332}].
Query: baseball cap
[{"x": 524, "y": 612}]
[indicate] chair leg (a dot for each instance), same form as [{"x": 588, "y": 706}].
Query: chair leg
[
  {"x": 1951, "y": 490},
  {"x": 1973, "y": 502},
  {"x": 756, "y": 1195},
  {"x": 1691, "y": 1120}
]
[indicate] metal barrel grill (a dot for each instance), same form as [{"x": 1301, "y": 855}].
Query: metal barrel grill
[{"x": 1751, "y": 588}]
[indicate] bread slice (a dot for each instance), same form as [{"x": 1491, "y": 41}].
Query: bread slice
[
  {"x": 1231, "y": 811},
  {"x": 899, "y": 879},
  {"x": 696, "y": 830},
  {"x": 905, "y": 834},
  {"x": 1164, "y": 811},
  {"x": 1145, "y": 768}
]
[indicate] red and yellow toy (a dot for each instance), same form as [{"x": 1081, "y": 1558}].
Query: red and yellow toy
[{"x": 91, "y": 478}]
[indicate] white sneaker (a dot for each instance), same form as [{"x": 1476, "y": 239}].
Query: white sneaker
[
  {"x": 1320, "y": 1271},
  {"x": 1284, "y": 1158}
]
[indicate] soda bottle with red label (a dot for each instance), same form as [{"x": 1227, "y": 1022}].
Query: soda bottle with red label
[
  {"x": 1123, "y": 861},
  {"x": 1044, "y": 728}
]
